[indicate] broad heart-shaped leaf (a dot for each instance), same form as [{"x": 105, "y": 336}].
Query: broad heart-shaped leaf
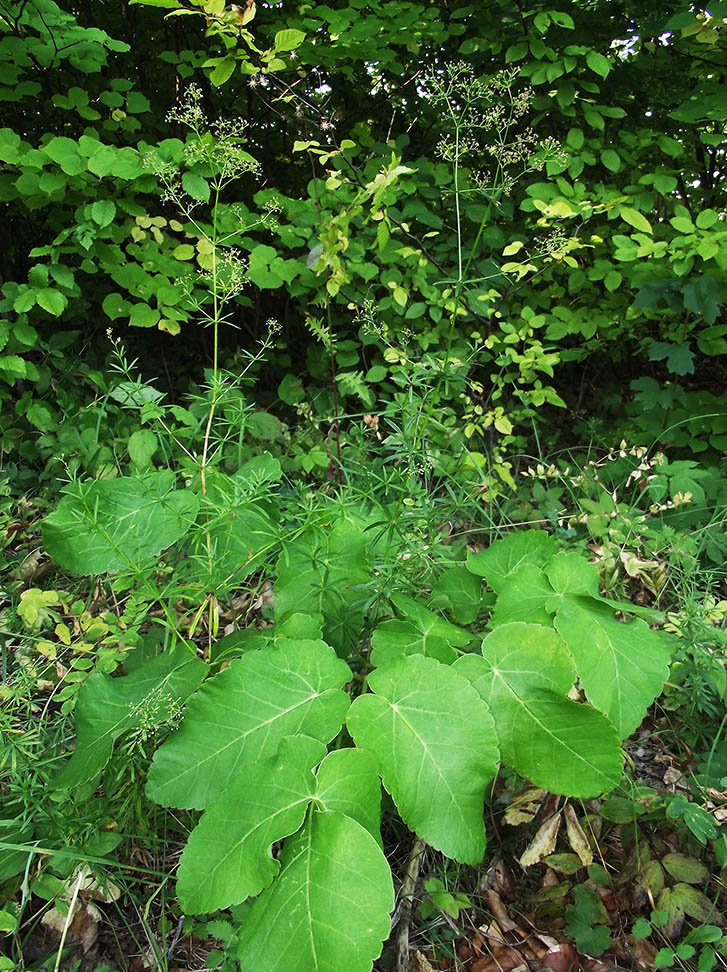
[
  {"x": 526, "y": 596},
  {"x": 329, "y": 909},
  {"x": 434, "y": 743},
  {"x": 420, "y": 632},
  {"x": 109, "y": 525},
  {"x": 227, "y": 857},
  {"x": 564, "y": 746},
  {"x": 318, "y": 574},
  {"x": 348, "y": 782},
  {"x": 241, "y": 715},
  {"x": 460, "y": 592},
  {"x": 622, "y": 667},
  {"x": 106, "y": 707},
  {"x": 502, "y": 557},
  {"x": 569, "y": 573}
]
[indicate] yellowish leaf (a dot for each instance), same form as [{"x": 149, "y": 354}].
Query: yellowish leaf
[{"x": 543, "y": 843}]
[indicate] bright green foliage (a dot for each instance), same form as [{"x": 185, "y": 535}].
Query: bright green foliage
[
  {"x": 585, "y": 922},
  {"x": 227, "y": 858},
  {"x": 330, "y": 907},
  {"x": 108, "y": 707},
  {"x": 419, "y": 632},
  {"x": 319, "y": 574},
  {"x": 501, "y": 558},
  {"x": 241, "y": 716},
  {"x": 434, "y": 743},
  {"x": 458, "y": 592},
  {"x": 107, "y": 526},
  {"x": 621, "y": 667},
  {"x": 525, "y": 674}
]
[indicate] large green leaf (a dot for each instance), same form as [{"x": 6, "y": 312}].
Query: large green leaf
[
  {"x": 227, "y": 857},
  {"x": 106, "y": 707},
  {"x": 241, "y": 716},
  {"x": 459, "y": 592},
  {"x": 319, "y": 574},
  {"x": 502, "y": 557},
  {"x": 622, "y": 667},
  {"x": 329, "y": 908},
  {"x": 419, "y": 632},
  {"x": 110, "y": 525},
  {"x": 434, "y": 742},
  {"x": 524, "y": 674},
  {"x": 348, "y": 782},
  {"x": 525, "y": 597}
]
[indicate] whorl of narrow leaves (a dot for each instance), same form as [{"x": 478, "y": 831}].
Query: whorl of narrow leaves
[{"x": 434, "y": 743}]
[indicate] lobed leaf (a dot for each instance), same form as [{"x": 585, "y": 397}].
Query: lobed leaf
[
  {"x": 329, "y": 908},
  {"x": 227, "y": 857},
  {"x": 524, "y": 674},
  {"x": 622, "y": 667},
  {"x": 502, "y": 557},
  {"x": 241, "y": 716},
  {"x": 420, "y": 632}
]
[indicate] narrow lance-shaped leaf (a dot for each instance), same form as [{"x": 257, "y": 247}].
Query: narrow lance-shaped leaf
[
  {"x": 435, "y": 747},
  {"x": 107, "y": 707},
  {"x": 330, "y": 907},
  {"x": 241, "y": 715},
  {"x": 562, "y": 745}
]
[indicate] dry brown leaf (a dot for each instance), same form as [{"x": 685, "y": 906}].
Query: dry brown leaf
[
  {"x": 499, "y": 910},
  {"x": 524, "y": 807},
  {"x": 562, "y": 958},
  {"x": 672, "y": 776},
  {"x": 543, "y": 843},
  {"x": 503, "y": 959},
  {"x": 576, "y": 837},
  {"x": 644, "y": 953},
  {"x": 419, "y": 963}
]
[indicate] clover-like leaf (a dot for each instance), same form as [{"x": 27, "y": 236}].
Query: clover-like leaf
[
  {"x": 434, "y": 743},
  {"x": 241, "y": 716},
  {"x": 501, "y": 558},
  {"x": 110, "y": 525},
  {"x": 524, "y": 674},
  {"x": 420, "y": 631},
  {"x": 329, "y": 909},
  {"x": 622, "y": 667},
  {"x": 106, "y": 707}
]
